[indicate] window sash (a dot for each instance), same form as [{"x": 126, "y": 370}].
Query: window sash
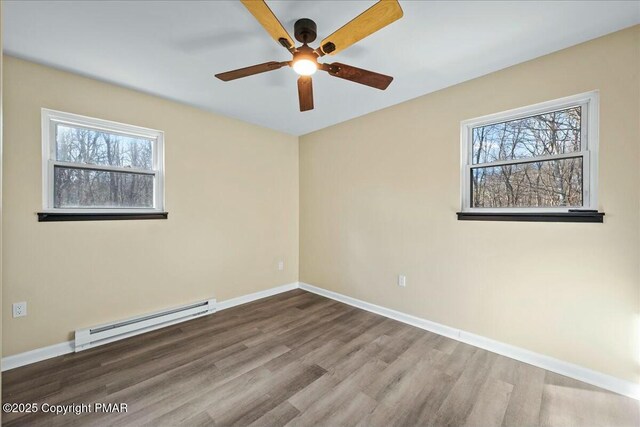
[
  {"x": 583, "y": 131},
  {"x": 50, "y": 120},
  {"x": 588, "y": 149},
  {"x": 585, "y": 179},
  {"x": 528, "y": 160},
  {"x": 89, "y": 166},
  {"x": 65, "y": 199},
  {"x": 51, "y": 174},
  {"x": 54, "y": 149}
]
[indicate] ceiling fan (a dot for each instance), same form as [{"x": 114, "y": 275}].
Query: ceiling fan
[{"x": 305, "y": 59}]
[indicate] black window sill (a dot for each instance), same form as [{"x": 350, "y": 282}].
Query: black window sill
[
  {"x": 579, "y": 216},
  {"x": 60, "y": 216}
]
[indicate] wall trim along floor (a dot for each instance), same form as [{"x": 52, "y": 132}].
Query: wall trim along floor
[
  {"x": 44, "y": 353},
  {"x": 608, "y": 382},
  {"x": 37, "y": 355}
]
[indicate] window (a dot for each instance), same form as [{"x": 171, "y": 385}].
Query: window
[
  {"x": 95, "y": 166},
  {"x": 541, "y": 158}
]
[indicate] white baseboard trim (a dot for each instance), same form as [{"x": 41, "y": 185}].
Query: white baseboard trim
[
  {"x": 37, "y": 355},
  {"x": 223, "y": 305},
  {"x": 607, "y": 382},
  {"x": 44, "y": 353}
]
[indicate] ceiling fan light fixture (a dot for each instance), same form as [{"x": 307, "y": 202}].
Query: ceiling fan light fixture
[
  {"x": 305, "y": 59},
  {"x": 305, "y": 67}
]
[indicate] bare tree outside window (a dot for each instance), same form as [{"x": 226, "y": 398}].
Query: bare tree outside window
[
  {"x": 77, "y": 144},
  {"x": 77, "y": 187},
  {"x": 504, "y": 174}
]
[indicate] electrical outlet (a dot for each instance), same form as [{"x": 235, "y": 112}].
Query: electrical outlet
[
  {"x": 19, "y": 309},
  {"x": 402, "y": 281},
  {"x": 280, "y": 265}
]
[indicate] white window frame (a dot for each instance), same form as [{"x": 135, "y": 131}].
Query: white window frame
[
  {"x": 50, "y": 118},
  {"x": 589, "y": 101}
]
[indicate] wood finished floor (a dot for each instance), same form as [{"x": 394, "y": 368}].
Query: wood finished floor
[{"x": 298, "y": 359}]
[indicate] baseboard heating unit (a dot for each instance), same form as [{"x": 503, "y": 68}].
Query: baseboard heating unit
[{"x": 103, "y": 334}]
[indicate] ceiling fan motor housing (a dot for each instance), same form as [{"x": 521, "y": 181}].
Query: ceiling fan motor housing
[{"x": 305, "y": 30}]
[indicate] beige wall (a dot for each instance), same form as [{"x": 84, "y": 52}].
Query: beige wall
[
  {"x": 378, "y": 197},
  {"x": 231, "y": 193}
]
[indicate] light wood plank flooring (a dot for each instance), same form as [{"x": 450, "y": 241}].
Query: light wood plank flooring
[{"x": 299, "y": 359}]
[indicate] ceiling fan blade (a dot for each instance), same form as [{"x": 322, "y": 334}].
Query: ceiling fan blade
[
  {"x": 250, "y": 71},
  {"x": 368, "y": 22},
  {"x": 268, "y": 20},
  {"x": 358, "y": 75},
  {"x": 305, "y": 93}
]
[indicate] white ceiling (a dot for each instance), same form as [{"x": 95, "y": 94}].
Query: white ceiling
[{"x": 173, "y": 48}]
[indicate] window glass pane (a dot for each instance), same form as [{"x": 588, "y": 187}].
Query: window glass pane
[
  {"x": 546, "y": 134},
  {"x": 553, "y": 183},
  {"x": 89, "y": 146},
  {"x": 78, "y": 188}
]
